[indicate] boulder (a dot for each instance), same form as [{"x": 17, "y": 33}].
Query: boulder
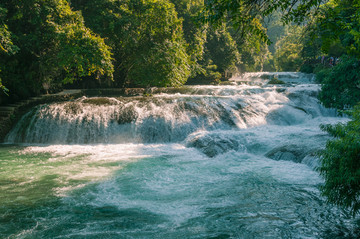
[
  {"x": 213, "y": 145},
  {"x": 295, "y": 153}
]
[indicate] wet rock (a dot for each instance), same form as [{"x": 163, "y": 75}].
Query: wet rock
[
  {"x": 213, "y": 145},
  {"x": 311, "y": 161},
  {"x": 73, "y": 108},
  {"x": 295, "y": 153},
  {"x": 287, "y": 115},
  {"x": 127, "y": 115},
  {"x": 98, "y": 101}
]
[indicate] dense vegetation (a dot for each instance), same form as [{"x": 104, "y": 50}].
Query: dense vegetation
[
  {"x": 341, "y": 165},
  {"x": 339, "y": 33},
  {"x": 46, "y": 45},
  {"x": 109, "y": 43}
]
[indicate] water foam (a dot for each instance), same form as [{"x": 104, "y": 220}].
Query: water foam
[
  {"x": 167, "y": 118},
  {"x": 196, "y": 162}
]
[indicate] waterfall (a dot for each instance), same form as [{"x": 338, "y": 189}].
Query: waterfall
[
  {"x": 228, "y": 161},
  {"x": 171, "y": 115}
]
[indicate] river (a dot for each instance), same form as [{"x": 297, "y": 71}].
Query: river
[{"x": 231, "y": 161}]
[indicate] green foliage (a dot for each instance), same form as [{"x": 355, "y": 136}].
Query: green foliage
[
  {"x": 340, "y": 85},
  {"x": 146, "y": 37},
  {"x": 253, "y": 50},
  {"x": 220, "y": 58},
  {"x": 3, "y": 88},
  {"x": 339, "y": 27},
  {"x": 54, "y": 46},
  {"x": 242, "y": 13},
  {"x": 164, "y": 65},
  {"x": 221, "y": 49},
  {"x": 152, "y": 42},
  {"x": 275, "y": 29},
  {"x": 340, "y": 163},
  {"x": 288, "y": 51},
  {"x": 6, "y": 45},
  {"x": 209, "y": 74},
  {"x": 161, "y": 59},
  {"x": 261, "y": 23},
  {"x": 195, "y": 34}
]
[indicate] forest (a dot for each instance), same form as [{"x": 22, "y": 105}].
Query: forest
[{"x": 49, "y": 45}]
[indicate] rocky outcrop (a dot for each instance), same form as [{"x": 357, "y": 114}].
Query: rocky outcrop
[
  {"x": 295, "y": 153},
  {"x": 214, "y": 145}
]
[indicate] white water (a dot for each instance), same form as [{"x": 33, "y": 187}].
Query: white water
[
  {"x": 196, "y": 162},
  {"x": 170, "y": 117}
]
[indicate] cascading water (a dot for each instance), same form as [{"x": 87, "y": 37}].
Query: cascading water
[{"x": 233, "y": 161}]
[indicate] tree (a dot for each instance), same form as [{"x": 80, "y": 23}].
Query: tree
[
  {"x": 6, "y": 45},
  {"x": 162, "y": 59},
  {"x": 146, "y": 37},
  {"x": 54, "y": 47},
  {"x": 339, "y": 30},
  {"x": 275, "y": 29},
  {"x": 221, "y": 49},
  {"x": 340, "y": 163},
  {"x": 288, "y": 50},
  {"x": 195, "y": 34},
  {"x": 338, "y": 27},
  {"x": 253, "y": 50},
  {"x": 340, "y": 85},
  {"x": 241, "y": 13}
]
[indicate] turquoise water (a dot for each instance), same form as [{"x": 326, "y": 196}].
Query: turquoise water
[
  {"x": 160, "y": 191},
  {"x": 253, "y": 178}
]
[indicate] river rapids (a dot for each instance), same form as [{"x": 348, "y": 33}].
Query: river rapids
[{"x": 230, "y": 161}]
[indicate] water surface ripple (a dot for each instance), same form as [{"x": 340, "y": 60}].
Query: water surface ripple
[{"x": 234, "y": 161}]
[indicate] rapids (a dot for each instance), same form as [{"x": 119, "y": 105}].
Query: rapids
[{"x": 230, "y": 161}]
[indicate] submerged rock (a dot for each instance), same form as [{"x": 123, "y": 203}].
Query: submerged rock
[
  {"x": 311, "y": 161},
  {"x": 287, "y": 115},
  {"x": 295, "y": 153},
  {"x": 213, "y": 145}
]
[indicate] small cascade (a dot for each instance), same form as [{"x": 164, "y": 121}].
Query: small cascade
[
  {"x": 231, "y": 161},
  {"x": 171, "y": 115}
]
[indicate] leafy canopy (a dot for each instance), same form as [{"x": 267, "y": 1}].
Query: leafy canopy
[
  {"x": 241, "y": 13},
  {"x": 146, "y": 37},
  {"x": 52, "y": 44}
]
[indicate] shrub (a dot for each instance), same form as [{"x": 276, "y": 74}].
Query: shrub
[
  {"x": 340, "y": 84},
  {"x": 340, "y": 163}
]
